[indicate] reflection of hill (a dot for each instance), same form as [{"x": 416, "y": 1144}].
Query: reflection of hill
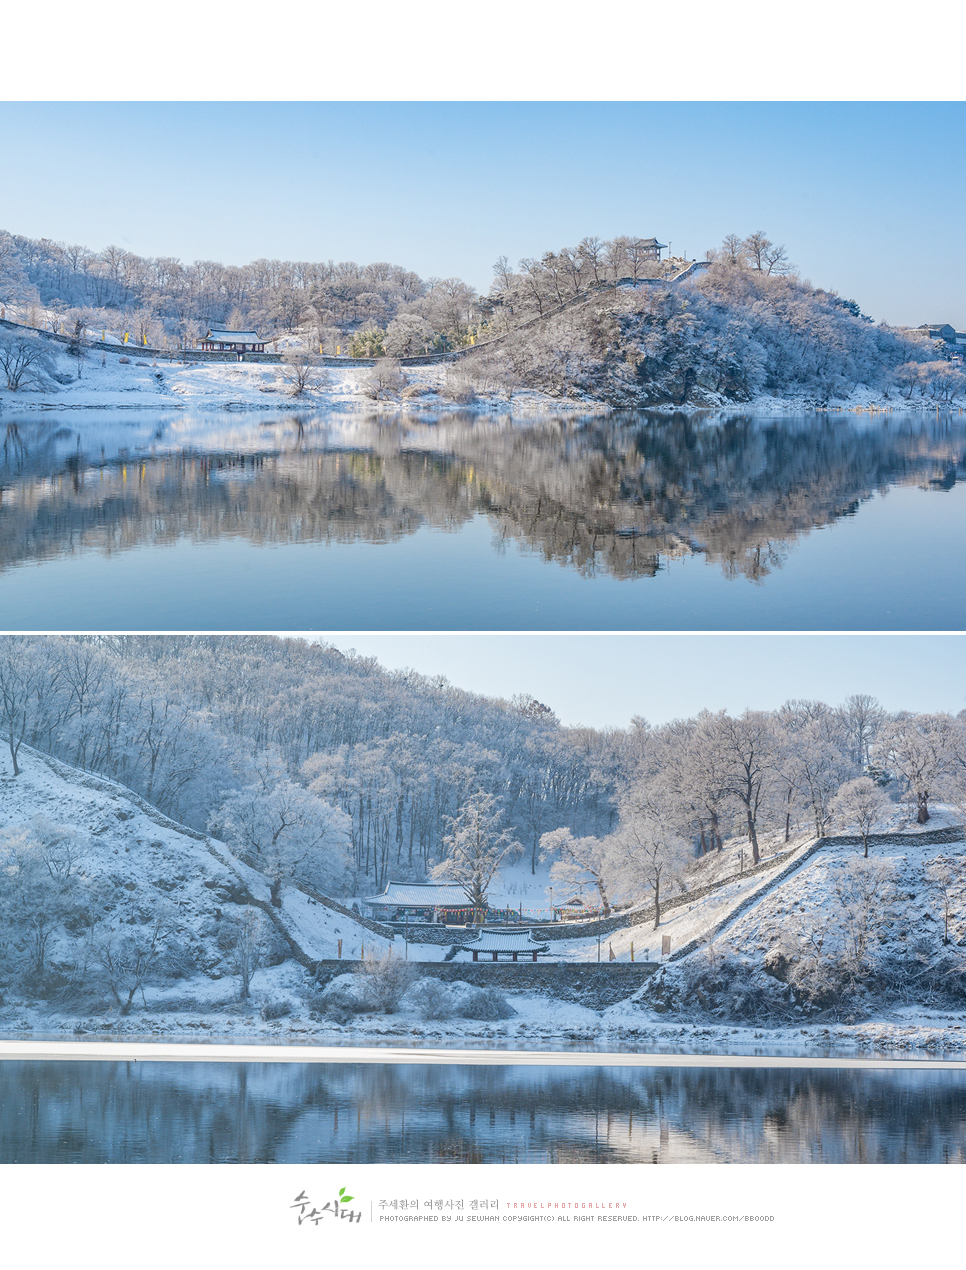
[
  {"x": 280, "y": 1112},
  {"x": 616, "y": 496}
]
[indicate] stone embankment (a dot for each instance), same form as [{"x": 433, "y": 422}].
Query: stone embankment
[
  {"x": 603, "y": 984},
  {"x": 795, "y": 860}
]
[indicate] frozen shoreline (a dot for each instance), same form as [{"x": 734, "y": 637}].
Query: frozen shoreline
[
  {"x": 925, "y": 1035},
  {"x": 245, "y": 386}
]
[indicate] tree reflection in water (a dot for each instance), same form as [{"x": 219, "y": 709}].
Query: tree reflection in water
[
  {"x": 104, "y": 1112},
  {"x": 619, "y": 496}
]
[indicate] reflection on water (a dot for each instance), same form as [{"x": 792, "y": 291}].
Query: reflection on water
[
  {"x": 621, "y": 498},
  {"x": 160, "y": 1112}
]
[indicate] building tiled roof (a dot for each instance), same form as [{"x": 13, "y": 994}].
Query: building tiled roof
[
  {"x": 503, "y": 941},
  {"x": 422, "y": 894},
  {"x": 235, "y": 337}
]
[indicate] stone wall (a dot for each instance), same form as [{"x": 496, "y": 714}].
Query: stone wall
[
  {"x": 935, "y": 837},
  {"x": 645, "y": 913},
  {"x": 605, "y": 983}
]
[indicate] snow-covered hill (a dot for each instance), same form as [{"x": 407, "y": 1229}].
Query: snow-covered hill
[
  {"x": 824, "y": 951},
  {"x": 826, "y": 935},
  {"x": 102, "y": 877}
]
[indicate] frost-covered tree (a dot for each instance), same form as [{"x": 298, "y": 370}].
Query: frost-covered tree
[
  {"x": 862, "y": 805},
  {"x": 476, "y": 845},
  {"x": 747, "y": 752},
  {"x": 14, "y": 285},
  {"x": 286, "y": 832},
  {"x": 302, "y": 371},
  {"x": 579, "y": 862},
  {"x": 409, "y": 335},
  {"x": 25, "y": 360},
  {"x": 28, "y": 685},
  {"x": 384, "y": 380},
  {"x": 862, "y": 891},
  {"x": 40, "y": 892},
  {"x": 920, "y": 749},
  {"x": 945, "y": 877},
  {"x": 248, "y": 944},
  {"x": 646, "y": 850},
  {"x": 862, "y": 717},
  {"x": 814, "y": 761}
]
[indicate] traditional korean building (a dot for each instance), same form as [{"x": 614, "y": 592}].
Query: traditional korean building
[
  {"x": 420, "y": 902},
  {"x": 652, "y": 248},
  {"x": 232, "y": 342},
  {"x": 511, "y": 945}
]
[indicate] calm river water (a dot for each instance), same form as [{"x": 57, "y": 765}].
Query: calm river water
[
  {"x": 130, "y": 520},
  {"x": 198, "y": 1112}
]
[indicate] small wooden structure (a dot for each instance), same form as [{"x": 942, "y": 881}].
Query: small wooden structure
[
  {"x": 216, "y": 341},
  {"x": 494, "y": 944},
  {"x": 571, "y": 910}
]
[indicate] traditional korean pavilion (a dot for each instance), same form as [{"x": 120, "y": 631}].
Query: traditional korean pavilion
[
  {"x": 232, "y": 342},
  {"x": 491, "y": 945}
]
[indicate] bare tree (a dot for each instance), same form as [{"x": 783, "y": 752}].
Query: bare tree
[
  {"x": 25, "y": 360},
  {"x": 249, "y": 948},
  {"x": 863, "y": 805},
  {"x": 129, "y": 954},
  {"x": 921, "y": 749},
  {"x": 302, "y": 371}
]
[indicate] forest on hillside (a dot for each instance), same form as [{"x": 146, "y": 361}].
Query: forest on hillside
[
  {"x": 260, "y": 739},
  {"x": 603, "y": 321},
  {"x": 328, "y": 776}
]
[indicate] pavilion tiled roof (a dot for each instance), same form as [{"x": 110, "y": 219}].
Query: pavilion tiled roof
[
  {"x": 235, "y": 337},
  {"x": 422, "y": 894},
  {"x": 504, "y": 941}
]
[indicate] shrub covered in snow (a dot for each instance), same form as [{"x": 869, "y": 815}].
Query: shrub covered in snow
[
  {"x": 275, "y": 1009},
  {"x": 485, "y": 1003},
  {"x": 431, "y": 999}
]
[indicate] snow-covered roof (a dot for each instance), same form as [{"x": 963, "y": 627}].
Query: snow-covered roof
[
  {"x": 235, "y": 337},
  {"x": 422, "y": 894},
  {"x": 503, "y": 941}
]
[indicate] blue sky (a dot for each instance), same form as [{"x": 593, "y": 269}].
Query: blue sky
[
  {"x": 867, "y": 197},
  {"x": 605, "y": 679}
]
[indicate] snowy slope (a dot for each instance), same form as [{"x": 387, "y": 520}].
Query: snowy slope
[{"x": 141, "y": 856}]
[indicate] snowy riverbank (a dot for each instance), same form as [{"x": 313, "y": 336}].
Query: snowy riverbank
[
  {"x": 201, "y": 386},
  {"x": 539, "y": 1023}
]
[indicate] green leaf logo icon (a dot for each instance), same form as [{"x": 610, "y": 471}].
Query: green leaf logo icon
[{"x": 344, "y": 1198}]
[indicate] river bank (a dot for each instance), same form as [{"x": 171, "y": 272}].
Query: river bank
[{"x": 428, "y": 390}]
